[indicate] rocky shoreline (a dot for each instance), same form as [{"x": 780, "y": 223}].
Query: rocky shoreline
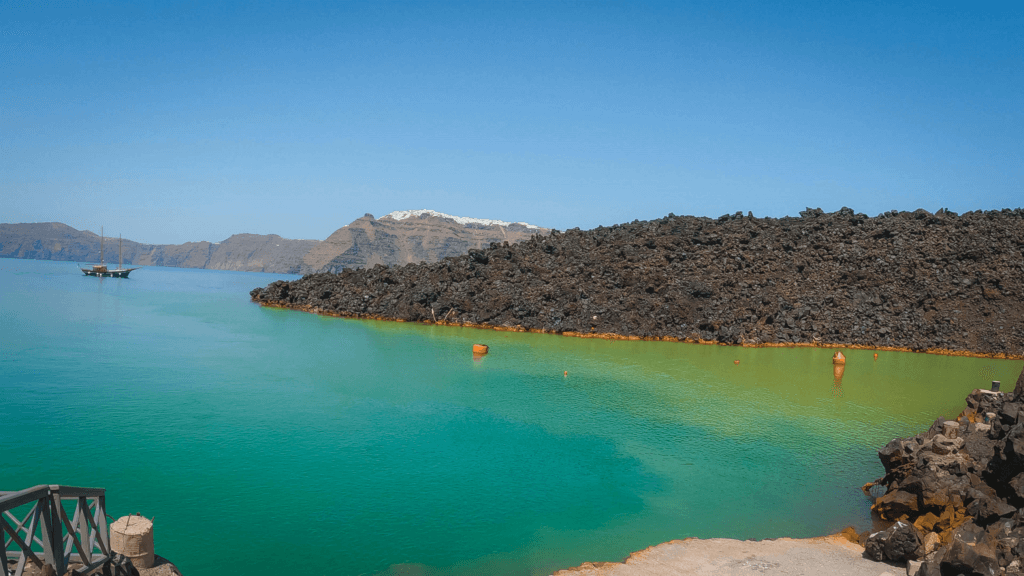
[
  {"x": 955, "y": 493},
  {"x": 917, "y": 281}
]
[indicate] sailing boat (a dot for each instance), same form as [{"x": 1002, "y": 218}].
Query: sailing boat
[{"x": 101, "y": 268}]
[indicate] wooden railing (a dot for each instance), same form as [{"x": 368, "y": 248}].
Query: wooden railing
[{"x": 47, "y": 535}]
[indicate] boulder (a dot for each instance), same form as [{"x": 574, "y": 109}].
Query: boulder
[
  {"x": 930, "y": 543},
  {"x": 895, "y": 505},
  {"x": 942, "y": 445},
  {"x": 986, "y": 510},
  {"x": 898, "y": 543},
  {"x": 980, "y": 447},
  {"x": 926, "y": 522},
  {"x": 971, "y": 553},
  {"x": 895, "y": 454}
]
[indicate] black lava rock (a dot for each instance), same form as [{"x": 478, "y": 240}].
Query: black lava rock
[{"x": 906, "y": 280}]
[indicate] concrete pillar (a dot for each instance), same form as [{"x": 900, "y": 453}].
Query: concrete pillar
[{"x": 133, "y": 537}]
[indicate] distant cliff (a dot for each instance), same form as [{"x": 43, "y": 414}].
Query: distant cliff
[
  {"x": 398, "y": 238},
  {"x": 243, "y": 252},
  {"x": 408, "y": 237}
]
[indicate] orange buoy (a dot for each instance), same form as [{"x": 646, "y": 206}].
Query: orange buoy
[
  {"x": 479, "y": 348},
  {"x": 838, "y": 358},
  {"x": 566, "y": 373},
  {"x": 735, "y": 361},
  {"x": 876, "y": 355}
]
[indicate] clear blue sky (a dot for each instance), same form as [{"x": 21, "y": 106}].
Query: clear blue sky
[{"x": 175, "y": 121}]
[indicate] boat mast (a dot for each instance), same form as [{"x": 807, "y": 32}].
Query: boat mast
[
  {"x": 119, "y": 267},
  {"x": 101, "y": 244}
]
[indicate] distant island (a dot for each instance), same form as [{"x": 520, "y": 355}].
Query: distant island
[
  {"x": 939, "y": 282},
  {"x": 399, "y": 238}
]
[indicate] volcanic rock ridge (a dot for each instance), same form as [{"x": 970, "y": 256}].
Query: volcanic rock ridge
[{"x": 906, "y": 280}]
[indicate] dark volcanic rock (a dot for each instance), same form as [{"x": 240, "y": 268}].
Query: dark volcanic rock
[
  {"x": 898, "y": 543},
  {"x": 972, "y": 552},
  {"x": 908, "y": 280},
  {"x": 964, "y": 500}
]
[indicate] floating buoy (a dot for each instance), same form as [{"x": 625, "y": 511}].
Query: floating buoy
[
  {"x": 566, "y": 373},
  {"x": 876, "y": 355},
  {"x": 735, "y": 361},
  {"x": 479, "y": 348},
  {"x": 838, "y": 358}
]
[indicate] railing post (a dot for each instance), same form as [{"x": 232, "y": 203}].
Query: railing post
[
  {"x": 83, "y": 528},
  {"x": 58, "y": 531},
  {"x": 53, "y": 549},
  {"x": 101, "y": 522},
  {"x": 3, "y": 554}
]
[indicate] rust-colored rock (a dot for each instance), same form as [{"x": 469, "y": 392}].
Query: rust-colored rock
[
  {"x": 895, "y": 505},
  {"x": 926, "y": 522}
]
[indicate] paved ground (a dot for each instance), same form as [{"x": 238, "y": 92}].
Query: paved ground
[{"x": 829, "y": 555}]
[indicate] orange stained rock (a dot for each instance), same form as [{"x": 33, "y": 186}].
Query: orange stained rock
[{"x": 838, "y": 358}]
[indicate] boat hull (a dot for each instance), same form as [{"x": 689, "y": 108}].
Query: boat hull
[{"x": 108, "y": 273}]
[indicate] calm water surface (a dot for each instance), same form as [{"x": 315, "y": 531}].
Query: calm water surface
[{"x": 375, "y": 447}]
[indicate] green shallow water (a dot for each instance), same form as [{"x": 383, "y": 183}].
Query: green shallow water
[{"x": 376, "y": 447}]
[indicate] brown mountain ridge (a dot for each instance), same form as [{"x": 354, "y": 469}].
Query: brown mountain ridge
[{"x": 398, "y": 238}]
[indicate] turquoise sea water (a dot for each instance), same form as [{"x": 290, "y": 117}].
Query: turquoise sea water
[{"x": 262, "y": 438}]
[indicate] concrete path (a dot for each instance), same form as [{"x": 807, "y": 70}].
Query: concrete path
[{"x": 828, "y": 555}]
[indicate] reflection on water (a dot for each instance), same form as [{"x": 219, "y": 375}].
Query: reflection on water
[
  {"x": 837, "y": 380},
  {"x": 838, "y": 368}
]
